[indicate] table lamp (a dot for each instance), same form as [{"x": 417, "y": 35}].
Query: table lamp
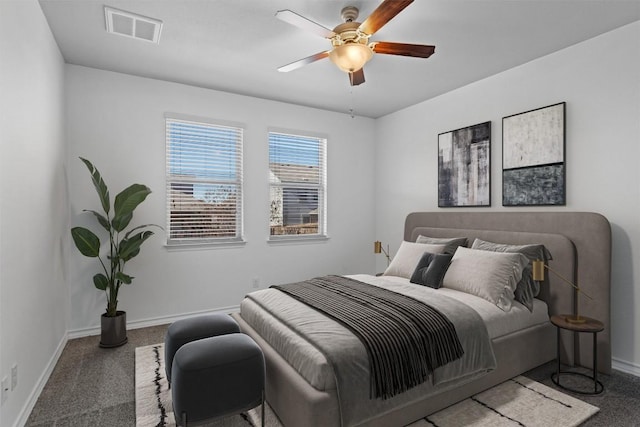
[{"x": 538, "y": 276}]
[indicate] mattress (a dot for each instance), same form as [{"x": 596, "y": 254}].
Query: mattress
[{"x": 312, "y": 365}]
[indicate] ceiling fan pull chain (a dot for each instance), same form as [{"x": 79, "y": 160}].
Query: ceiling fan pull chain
[{"x": 351, "y": 113}]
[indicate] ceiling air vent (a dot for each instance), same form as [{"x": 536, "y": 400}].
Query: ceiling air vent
[{"x": 132, "y": 25}]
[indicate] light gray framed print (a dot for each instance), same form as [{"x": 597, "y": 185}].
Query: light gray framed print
[{"x": 533, "y": 157}]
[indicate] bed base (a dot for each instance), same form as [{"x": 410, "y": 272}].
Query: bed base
[{"x": 299, "y": 404}]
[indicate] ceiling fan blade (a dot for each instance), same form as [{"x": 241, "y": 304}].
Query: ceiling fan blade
[
  {"x": 357, "y": 77},
  {"x": 383, "y": 14},
  {"x": 302, "y": 62},
  {"x": 404, "y": 49},
  {"x": 304, "y": 23}
]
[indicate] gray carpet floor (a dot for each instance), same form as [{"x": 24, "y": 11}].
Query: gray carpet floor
[{"x": 91, "y": 386}]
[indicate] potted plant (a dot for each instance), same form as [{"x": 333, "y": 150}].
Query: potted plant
[{"x": 123, "y": 246}]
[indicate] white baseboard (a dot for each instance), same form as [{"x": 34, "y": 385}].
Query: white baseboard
[
  {"x": 23, "y": 416},
  {"x": 624, "y": 366},
  {"x": 155, "y": 321}
]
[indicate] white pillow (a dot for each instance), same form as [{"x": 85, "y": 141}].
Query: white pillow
[
  {"x": 489, "y": 275},
  {"x": 408, "y": 256}
]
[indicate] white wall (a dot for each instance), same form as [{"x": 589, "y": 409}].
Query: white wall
[
  {"x": 117, "y": 121},
  {"x": 599, "y": 80},
  {"x": 34, "y": 213}
]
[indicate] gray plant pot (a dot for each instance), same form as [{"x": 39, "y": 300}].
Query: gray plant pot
[{"x": 113, "y": 330}]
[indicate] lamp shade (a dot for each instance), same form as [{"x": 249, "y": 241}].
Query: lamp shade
[
  {"x": 538, "y": 270},
  {"x": 350, "y": 57}
]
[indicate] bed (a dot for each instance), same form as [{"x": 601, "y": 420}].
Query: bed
[{"x": 581, "y": 247}]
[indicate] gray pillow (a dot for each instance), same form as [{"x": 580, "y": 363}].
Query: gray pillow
[
  {"x": 451, "y": 243},
  {"x": 486, "y": 274},
  {"x": 527, "y": 288},
  {"x": 431, "y": 269}
]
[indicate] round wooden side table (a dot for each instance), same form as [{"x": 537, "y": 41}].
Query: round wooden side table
[{"x": 591, "y": 326}]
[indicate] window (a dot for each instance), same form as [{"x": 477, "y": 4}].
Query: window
[
  {"x": 204, "y": 182},
  {"x": 297, "y": 181}
]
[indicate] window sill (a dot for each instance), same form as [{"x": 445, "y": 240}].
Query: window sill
[
  {"x": 201, "y": 246},
  {"x": 296, "y": 240}
]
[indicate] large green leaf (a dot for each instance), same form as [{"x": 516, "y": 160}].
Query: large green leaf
[
  {"x": 129, "y": 198},
  {"x": 100, "y": 281},
  {"x": 87, "y": 243},
  {"x": 124, "y": 278},
  {"x": 100, "y": 185},
  {"x": 104, "y": 222},
  {"x": 130, "y": 232},
  {"x": 120, "y": 222},
  {"x": 130, "y": 247}
]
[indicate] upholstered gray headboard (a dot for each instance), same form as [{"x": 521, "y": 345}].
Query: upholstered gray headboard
[{"x": 580, "y": 243}]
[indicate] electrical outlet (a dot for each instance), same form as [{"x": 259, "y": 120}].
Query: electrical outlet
[
  {"x": 14, "y": 377},
  {"x": 256, "y": 282},
  {"x": 5, "y": 390}
]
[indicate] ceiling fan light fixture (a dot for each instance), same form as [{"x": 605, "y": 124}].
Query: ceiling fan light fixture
[
  {"x": 351, "y": 48},
  {"x": 350, "y": 57}
]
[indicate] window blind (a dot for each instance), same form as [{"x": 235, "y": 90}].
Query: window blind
[
  {"x": 204, "y": 182},
  {"x": 297, "y": 179}
]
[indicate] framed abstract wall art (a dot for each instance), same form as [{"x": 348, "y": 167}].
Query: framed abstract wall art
[
  {"x": 464, "y": 172},
  {"x": 533, "y": 163}
]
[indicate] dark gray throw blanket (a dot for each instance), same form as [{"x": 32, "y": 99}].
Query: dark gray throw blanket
[{"x": 406, "y": 340}]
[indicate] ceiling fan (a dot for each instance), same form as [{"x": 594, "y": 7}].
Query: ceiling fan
[{"x": 351, "y": 48}]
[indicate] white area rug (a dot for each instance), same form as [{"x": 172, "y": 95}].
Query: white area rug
[{"x": 517, "y": 402}]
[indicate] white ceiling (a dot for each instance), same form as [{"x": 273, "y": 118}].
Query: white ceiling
[{"x": 237, "y": 45}]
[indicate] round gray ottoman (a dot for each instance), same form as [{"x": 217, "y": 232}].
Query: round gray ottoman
[
  {"x": 195, "y": 328},
  {"x": 217, "y": 377}
]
